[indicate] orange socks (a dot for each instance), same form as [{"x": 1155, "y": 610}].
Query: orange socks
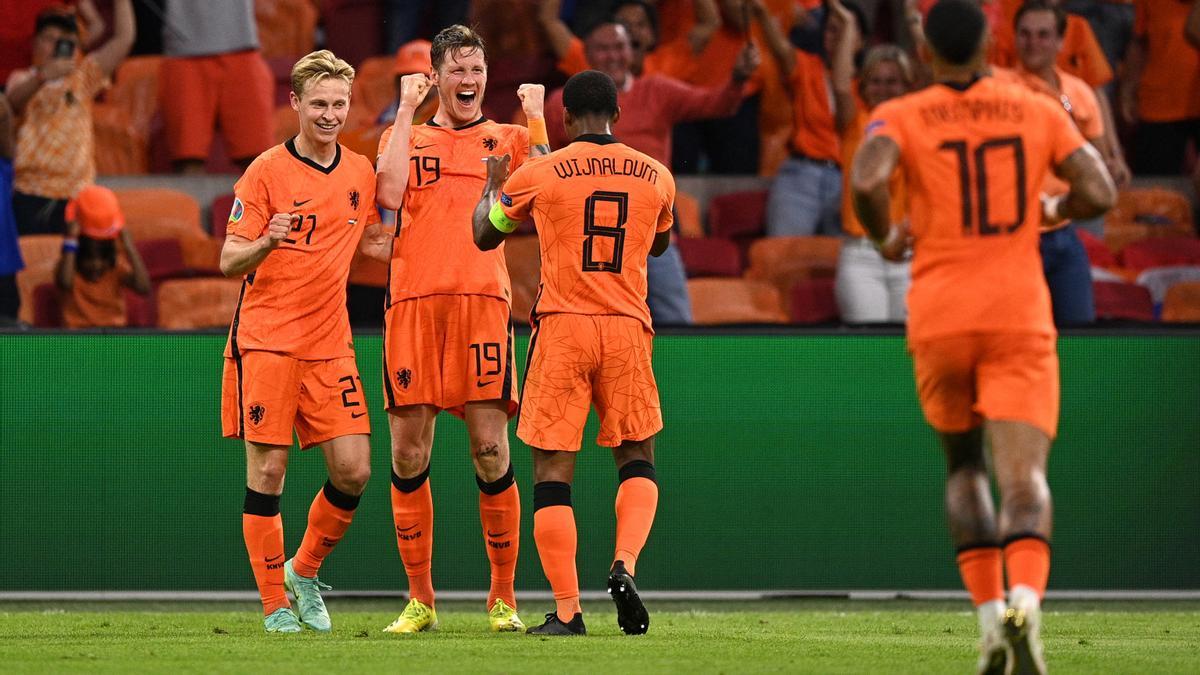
[
  {"x": 982, "y": 573},
  {"x": 262, "y": 528},
  {"x": 556, "y": 539},
  {"x": 637, "y": 500},
  {"x": 412, "y": 512},
  {"x": 500, "y": 515},
  {"x": 328, "y": 517},
  {"x": 1027, "y": 557}
]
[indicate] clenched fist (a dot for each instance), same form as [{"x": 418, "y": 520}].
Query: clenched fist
[
  {"x": 412, "y": 90},
  {"x": 533, "y": 99},
  {"x": 279, "y": 227}
]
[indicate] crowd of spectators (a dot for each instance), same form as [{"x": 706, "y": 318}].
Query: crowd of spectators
[{"x": 775, "y": 88}]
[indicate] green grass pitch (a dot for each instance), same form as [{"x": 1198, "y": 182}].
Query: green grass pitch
[{"x": 817, "y": 636}]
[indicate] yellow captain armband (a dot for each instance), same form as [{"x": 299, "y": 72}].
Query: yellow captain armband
[{"x": 500, "y": 221}]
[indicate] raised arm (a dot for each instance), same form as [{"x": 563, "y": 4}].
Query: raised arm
[
  {"x": 557, "y": 33},
  {"x": 1110, "y": 144},
  {"x": 685, "y": 102},
  {"x": 533, "y": 104},
  {"x": 777, "y": 43},
  {"x": 139, "y": 278},
  {"x": 64, "y": 272},
  {"x": 1092, "y": 191},
  {"x": 93, "y": 21},
  {"x": 240, "y": 255},
  {"x": 707, "y": 21},
  {"x": 873, "y": 165},
  {"x": 109, "y": 55},
  {"x": 391, "y": 173},
  {"x": 489, "y": 223},
  {"x": 376, "y": 241},
  {"x": 842, "y": 63}
]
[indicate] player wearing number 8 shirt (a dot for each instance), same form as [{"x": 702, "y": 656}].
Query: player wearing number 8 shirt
[
  {"x": 600, "y": 208},
  {"x": 301, "y": 210},
  {"x": 974, "y": 152},
  {"x": 447, "y": 334}
]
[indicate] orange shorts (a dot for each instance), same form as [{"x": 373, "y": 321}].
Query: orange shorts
[
  {"x": 965, "y": 379},
  {"x": 233, "y": 91},
  {"x": 448, "y": 350},
  {"x": 264, "y": 395},
  {"x": 576, "y": 361}
]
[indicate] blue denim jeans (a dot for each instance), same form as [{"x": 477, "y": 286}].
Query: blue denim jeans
[
  {"x": 1069, "y": 275},
  {"x": 805, "y": 199},
  {"x": 670, "y": 304}
]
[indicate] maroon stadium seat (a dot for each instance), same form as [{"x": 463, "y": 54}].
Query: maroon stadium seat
[
  {"x": 46, "y": 311},
  {"x": 813, "y": 301},
  {"x": 738, "y": 214},
  {"x": 163, "y": 258},
  {"x": 1161, "y": 252},
  {"x": 1115, "y": 300},
  {"x": 353, "y": 28},
  {"x": 710, "y": 257},
  {"x": 141, "y": 312},
  {"x": 1097, "y": 252},
  {"x": 219, "y": 213}
]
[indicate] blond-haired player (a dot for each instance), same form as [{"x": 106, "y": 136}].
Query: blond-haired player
[
  {"x": 447, "y": 334},
  {"x": 301, "y": 210}
]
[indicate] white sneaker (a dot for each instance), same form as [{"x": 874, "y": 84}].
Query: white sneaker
[
  {"x": 994, "y": 653},
  {"x": 1023, "y": 629}
]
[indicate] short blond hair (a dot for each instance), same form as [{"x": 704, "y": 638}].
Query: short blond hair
[{"x": 317, "y": 66}]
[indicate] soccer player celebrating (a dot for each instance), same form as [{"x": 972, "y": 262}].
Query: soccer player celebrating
[
  {"x": 600, "y": 208},
  {"x": 300, "y": 211},
  {"x": 974, "y": 152},
  {"x": 447, "y": 333}
]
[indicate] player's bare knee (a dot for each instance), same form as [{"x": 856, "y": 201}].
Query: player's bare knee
[
  {"x": 490, "y": 458},
  {"x": 634, "y": 451},
  {"x": 351, "y": 480}
]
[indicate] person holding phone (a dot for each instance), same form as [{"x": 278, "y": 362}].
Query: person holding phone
[{"x": 55, "y": 152}]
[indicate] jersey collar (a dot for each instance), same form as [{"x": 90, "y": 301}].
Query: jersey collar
[
  {"x": 598, "y": 139},
  {"x": 477, "y": 122},
  {"x": 337, "y": 157},
  {"x": 962, "y": 86}
]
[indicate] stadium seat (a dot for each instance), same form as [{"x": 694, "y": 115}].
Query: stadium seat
[
  {"x": 286, "y": 28},
  {"x": 1161, "y": 252},
  {"x": 374, "y": 89},
  {"x": 1144, "y": 213},
  {"x": 718, "y": 301},
  {"x": 524, "y": 260},
  {"x": 1182, "y": 304},
  {"x": 160, "y": 213},
  {"x": 40, "y": 253},
  {"x": 710, "y": 257},
  {"x": 163, "y": 258},
  {"x": 1099, "y": 255},
  {"x": 1122, "y": 301},
  {"x": 45, "y": 312},
  {"x": 353, "y": 28},
  {"x": 1159, "y": 280},
  {"x": 185, "y": 304},
  {"x": 687, "y": 215},
  {"x": 140, "y": 311},
  {"x": 813, "y": 301},
  {"x": 737, "y": 215},
  {"x": 218, "y": 215},
  {"x": 281, "y": 72},
  {"x": 285, "y": 123},
  {"x": 784, "y": 261},
  {"x": 123, "y": 121}
]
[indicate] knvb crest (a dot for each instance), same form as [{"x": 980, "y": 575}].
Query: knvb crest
[
  {"x": 490, "y": 144},
  {"x": 256, "y": 413},
  {"x": 354, "y": 199},
  {"x": 404, "y": 377}
]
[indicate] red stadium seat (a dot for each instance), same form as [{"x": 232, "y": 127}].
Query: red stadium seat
[
  {"x": 1161, "y": 252},
  {"x": 813, "y": 301},
  {"x": 710, "y": 257},
  {"x": 353, "y": 28},
  {"x": 738, "y": 214},
  {"x": 163, "y": 258},
  {"x": 1116, "y": 300},
  {"x": 1098, "y": 254},
  {"x": 140, "y": 312},
  {"x": 219, "y": 212},
  {"x": 44, "y": 308}
]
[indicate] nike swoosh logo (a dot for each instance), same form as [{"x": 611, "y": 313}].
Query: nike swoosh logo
[
  {"x": 406, "y": 529},
  {"x": 479, "y": 383},
  {"x": 357, "y": 415},
  {"x": 275, "y": 558},
  {"x": 296, "y": 203},
  {"x": 422, "y": 147},
  {"x": 497, "y": 534}
]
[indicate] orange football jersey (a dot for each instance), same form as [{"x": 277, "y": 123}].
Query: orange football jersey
[
  {"x": 974, "y": 160},
  {"x": 434, "y": 251},
  {"x": 295, "y": 302},
  {"x": 597, "y": 205}
]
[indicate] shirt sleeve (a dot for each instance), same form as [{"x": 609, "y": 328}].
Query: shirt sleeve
[
  {"x": 682, "y": 102},
  {"x": 575, "y": 60},
  {"x": 885, "y": 122},
  {"x": 516, "y": 198},
  {"x": 92, "y": 79},
  {"x": 1064, "y": 135},
  {"x": 251, "y": 204}
]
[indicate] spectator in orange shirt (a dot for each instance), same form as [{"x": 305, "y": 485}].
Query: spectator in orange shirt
[
  {"x": 1161, "y": 87},
  {"x": 55, "y": 154},
  {"x": 806, "y": 196},
  {"x": 90, "y": 276},
  {"x": 1079, "y": 54}
]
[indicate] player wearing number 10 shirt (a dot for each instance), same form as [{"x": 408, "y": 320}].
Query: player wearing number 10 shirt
[
  {"x": 974, "y": 152},
  {"x": 600, "y": 209}
]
